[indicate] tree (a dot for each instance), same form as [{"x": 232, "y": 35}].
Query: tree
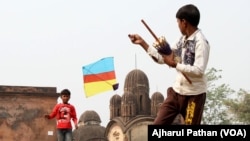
[
  {"x": 240, "y": 107},
  {"x": 215, "y": 111}
]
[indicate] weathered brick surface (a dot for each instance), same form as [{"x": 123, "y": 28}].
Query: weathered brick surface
[{"x": 21, "y": 113}]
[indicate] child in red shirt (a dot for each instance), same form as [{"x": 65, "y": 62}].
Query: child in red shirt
[{"x": 64, "y": 112}]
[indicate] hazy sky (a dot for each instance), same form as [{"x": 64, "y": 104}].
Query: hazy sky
[{"x": 45, "y": 43}]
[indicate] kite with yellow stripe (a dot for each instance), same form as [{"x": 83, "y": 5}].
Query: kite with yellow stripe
[{"x": 99, "y": 77}]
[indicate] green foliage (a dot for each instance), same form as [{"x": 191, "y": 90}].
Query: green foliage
[
  {"x": 215, "y": 111},
  {"x": 221, "y": 107},
  {"x": 240, "y": 107}
]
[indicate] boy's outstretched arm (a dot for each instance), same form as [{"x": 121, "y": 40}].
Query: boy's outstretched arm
[{"x": 137, "y": 39}]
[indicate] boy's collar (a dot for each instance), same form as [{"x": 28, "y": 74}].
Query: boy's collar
[{"x": 191, "y": 37}]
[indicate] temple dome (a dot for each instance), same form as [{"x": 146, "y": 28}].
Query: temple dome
[
  {"x": 89, "y": 117},
  {"x": 136, "y": 78}
]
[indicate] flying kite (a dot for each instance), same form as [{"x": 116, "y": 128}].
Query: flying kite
[{"x": 99, "y": 77}]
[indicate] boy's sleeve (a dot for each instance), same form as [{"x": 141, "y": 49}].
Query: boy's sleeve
[
  {"x": 153, "y": 53},
  {"x": 74, "y": 117},
  {"x": 54, "y": 112}
]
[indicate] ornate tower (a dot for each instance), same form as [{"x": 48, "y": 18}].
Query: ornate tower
[
  {"x": 136, "y": 82},
  {"x": 89, "y": 128},
  {"x": 128, "y": 106},
  {"x": 115, "y": 106},
  {"x": 156, "y": 100}
]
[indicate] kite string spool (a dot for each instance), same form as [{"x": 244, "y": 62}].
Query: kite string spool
[{"x": 156, "y": 38}]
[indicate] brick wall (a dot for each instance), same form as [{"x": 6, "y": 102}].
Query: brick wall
[{"x": 22, "y": 110}]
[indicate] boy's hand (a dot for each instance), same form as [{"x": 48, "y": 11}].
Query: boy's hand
[
  {"x": 137, "y": 39},
  {"x": 46, "y": 116},
  {"x": 169, "y": 60}
]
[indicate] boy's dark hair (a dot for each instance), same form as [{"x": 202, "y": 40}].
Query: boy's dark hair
[
  {"x": 65, "y": 92},
  {"x": 189, "y": 13}
]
